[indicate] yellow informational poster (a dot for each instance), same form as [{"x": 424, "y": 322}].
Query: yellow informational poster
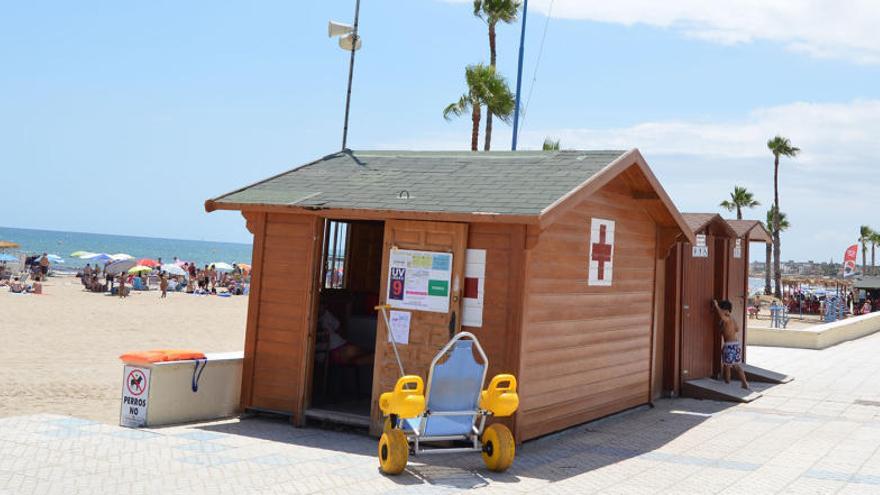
[{"x": 419, "y": 280}]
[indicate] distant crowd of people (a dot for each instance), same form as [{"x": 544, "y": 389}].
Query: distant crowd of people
[
  {"x": 207, "y": 280},
  {"x": 36, "y": 270}
]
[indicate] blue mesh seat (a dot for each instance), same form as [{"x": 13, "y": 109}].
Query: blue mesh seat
[{"x": 453, "y": 385}]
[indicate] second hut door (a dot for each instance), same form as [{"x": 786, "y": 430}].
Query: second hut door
[{"x": 426, "y": 248}]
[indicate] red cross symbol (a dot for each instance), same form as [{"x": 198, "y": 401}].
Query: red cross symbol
[{"x": 601, "y": 252}]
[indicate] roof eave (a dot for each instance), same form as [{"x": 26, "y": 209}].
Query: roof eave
[{"x": 373, "y": 214}]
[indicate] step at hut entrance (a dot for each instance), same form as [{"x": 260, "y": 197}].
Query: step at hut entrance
[{"x": 552, "y": 259}]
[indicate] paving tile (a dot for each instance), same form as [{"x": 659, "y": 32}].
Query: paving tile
[{"x": 809, "y": 436}]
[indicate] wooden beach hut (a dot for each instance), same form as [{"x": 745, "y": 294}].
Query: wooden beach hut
[
  {"x": 553, "y": 259},
  {"x": 716, "y": 266}
]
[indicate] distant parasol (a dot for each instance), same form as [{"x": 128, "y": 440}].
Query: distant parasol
[{"x": 8, "y": 245}]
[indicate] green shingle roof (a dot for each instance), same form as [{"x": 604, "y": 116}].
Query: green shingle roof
[{"x": 504, "y": 183}]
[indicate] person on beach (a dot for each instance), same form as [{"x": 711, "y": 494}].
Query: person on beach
[
  {"x": 731, "y": 350},
  {"x": 205, "y": 278},
  {"x": 866, "y": 308},
  {"x": 121, "y": 285},
  {"x": 163, "y": 285},
  {"x": 212, "y": 276},
  {"x": 44, "y": 266}
]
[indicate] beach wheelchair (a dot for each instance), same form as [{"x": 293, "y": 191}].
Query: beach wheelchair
[{"x": 450, "y": 415}]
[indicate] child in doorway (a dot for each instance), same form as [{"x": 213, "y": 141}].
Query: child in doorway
[{"x": 731, "y": 350}]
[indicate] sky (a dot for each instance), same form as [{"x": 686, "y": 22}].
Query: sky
[{"x": 124, "y": 117}]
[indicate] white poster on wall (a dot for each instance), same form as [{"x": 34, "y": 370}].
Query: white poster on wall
[
  {"x": 474, "y": 288},
  {"x": 419, "y": 280},
  {"x": 601, "y": 260},
  {"x": 400, "y": 321},
  {"x": 738, "y": 249},
  {"x": 135, "y": 391}
]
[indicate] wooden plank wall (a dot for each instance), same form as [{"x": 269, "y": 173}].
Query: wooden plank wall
[
  {"x": 499, "y": 335},
  {"x": 658, "y": 360},
  {"x": 586, "y": 351},
  {"x": 279, "y": 313},
  {"x": 672, "y": 321},
  {"x": 365, "y": 256}
]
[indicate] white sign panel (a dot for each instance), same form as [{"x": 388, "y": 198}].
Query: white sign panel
[
  {"x": 700, "y": 252},
  {"x": 601, "y": 258},
  {"x": 135, "y": 390},
  {"x": 419, "y": 280},
  {"x": 737, "y": 249},
  {"x": 701, "y": 240},
  {"x": 474, "y": 288},
  {"x": 399, "y": 330}
]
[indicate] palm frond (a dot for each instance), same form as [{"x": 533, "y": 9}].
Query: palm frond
[
  {"x": 781, "y": 146},
  {"x": 456, "y": 109},
  {"x": 550, "y": 144}
]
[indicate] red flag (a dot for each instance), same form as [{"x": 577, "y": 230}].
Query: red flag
[{"x": 849, "y": 260}]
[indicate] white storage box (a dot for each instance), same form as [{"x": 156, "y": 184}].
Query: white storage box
[{"x": 172, "y": 392}]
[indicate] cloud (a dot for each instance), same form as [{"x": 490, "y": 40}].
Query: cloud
[
  {"x": 842, "y": 29},
  {"x": 826, "y": 132}
]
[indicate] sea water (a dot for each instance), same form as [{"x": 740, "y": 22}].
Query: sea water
[{"x": 64, "y": 243}]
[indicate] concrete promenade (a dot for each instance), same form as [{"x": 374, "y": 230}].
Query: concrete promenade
[{"x": 818, "y": 434}]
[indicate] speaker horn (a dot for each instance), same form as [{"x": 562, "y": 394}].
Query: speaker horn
[
  {"x": 345, "y": 42},
  {"x": 338, "y": 29}
]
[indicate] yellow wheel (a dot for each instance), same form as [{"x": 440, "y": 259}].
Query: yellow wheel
[
  {"x": 498, "y": 447},
  {"x": 393, "y": 452}
]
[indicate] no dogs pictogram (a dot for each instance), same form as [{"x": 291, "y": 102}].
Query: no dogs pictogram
[{"x": 136, "y": 382}]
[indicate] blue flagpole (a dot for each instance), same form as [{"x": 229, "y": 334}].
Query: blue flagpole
[{"x": 522, "y": 42}]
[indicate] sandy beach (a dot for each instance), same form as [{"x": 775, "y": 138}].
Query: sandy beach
[{"x": 59, "y": 351}]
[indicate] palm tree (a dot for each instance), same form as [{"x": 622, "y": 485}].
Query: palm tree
[
  {"x": 865, "y": 235},
  {"x": 779, "y": 146},
  {"x": 485, "y": 87},
  {"x": 783, "y": 225},
  {"x": 740, "y": 198},
  {"x": 493, "y": 11},
  {"x": 875, "y": 241},
  {"x": 550, "y": 144}
]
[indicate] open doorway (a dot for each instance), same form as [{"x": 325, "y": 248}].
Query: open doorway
[{"x": 345, "y": 327}]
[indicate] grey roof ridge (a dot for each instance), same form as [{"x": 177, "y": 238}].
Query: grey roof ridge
[
  {"x": 589, "y": 180},
  {"x": 308, "y": 164}
]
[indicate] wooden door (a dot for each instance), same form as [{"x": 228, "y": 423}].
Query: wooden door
[
  {"x": 280, "y": 312},
  {"x": 723, "y": 255},
  {"x": 429, "y": 331},
  {"x": 697, "y": 314},
  {"x": 736, "y": 281}
]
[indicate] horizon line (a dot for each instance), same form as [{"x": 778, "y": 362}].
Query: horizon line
[{"x": 124, "y": 235}]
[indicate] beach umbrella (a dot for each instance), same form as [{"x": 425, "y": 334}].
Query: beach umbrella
[
  {"x": 172, "y": 269},
  {"x": 220, "y": 266},
  {"x": 121, "y": 256},
  {"x": 120, "y": 266},
  {"x": 81, "y": 254},
  {"x": 140, "y": 269},
  {"x": 98, "y": 257},
  {"x": 148, "y": 262},
  {"x": 8, "y": 245},
  {"x": 54, "y": 258},
  {"x": 8, "y": 257}
]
